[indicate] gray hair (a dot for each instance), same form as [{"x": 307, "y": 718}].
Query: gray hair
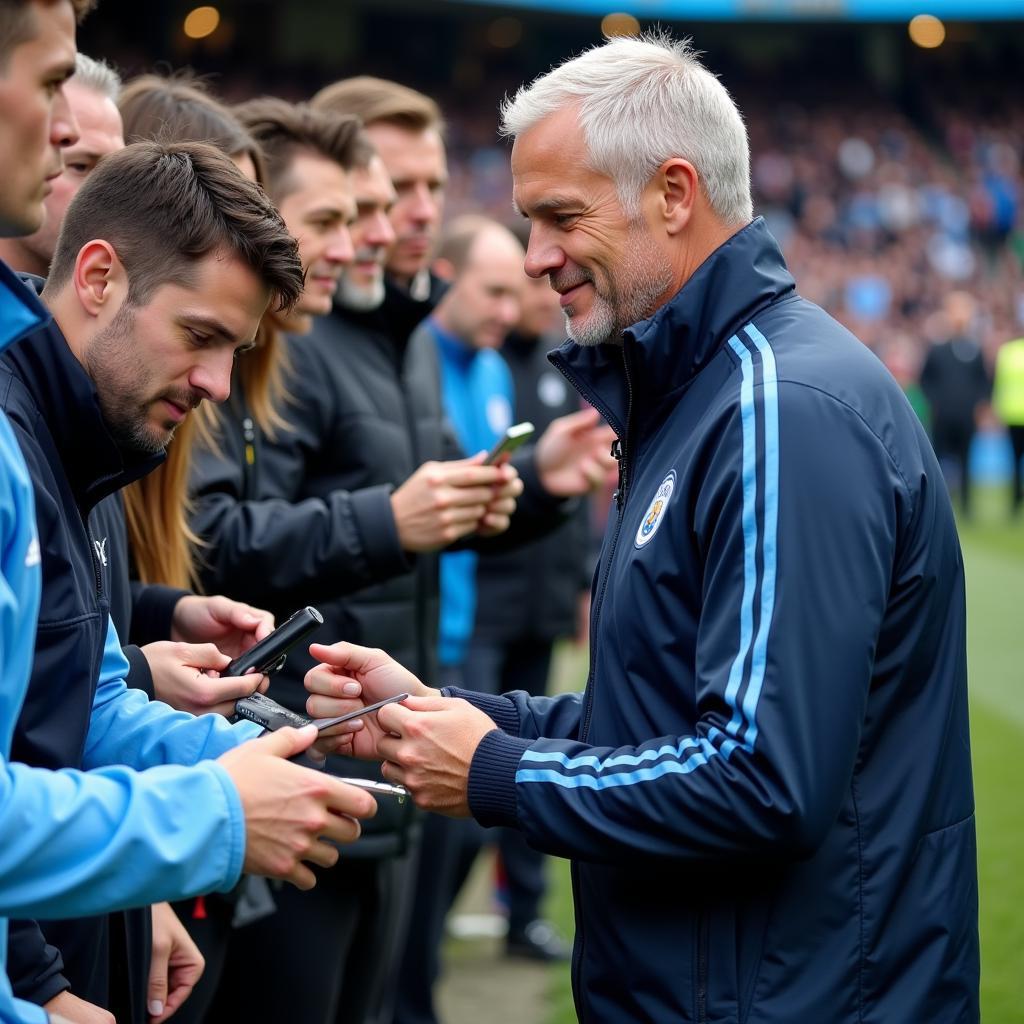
[
  {"x": 97, "y": 76},
  {"x": 641, "y": 102}
]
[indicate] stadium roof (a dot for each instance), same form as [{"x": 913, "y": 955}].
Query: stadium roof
[{"x": 785, "y": 10}]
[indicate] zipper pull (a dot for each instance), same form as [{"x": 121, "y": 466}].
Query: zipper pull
[
  {"x": 249, "y": 436},
  {"x": 616, "y": 454}
]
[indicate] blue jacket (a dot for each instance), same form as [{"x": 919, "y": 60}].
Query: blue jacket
[
  {"x": 84, "y": 843},
  {"x": 476, "y": 389},
  {"x": 20, "y": 313},
  {"x": 766, "y": 787}
]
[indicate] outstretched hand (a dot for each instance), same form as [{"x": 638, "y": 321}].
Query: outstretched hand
[
  {"x": 573, "y": 455},
  {"x": 348, "y": 671}
]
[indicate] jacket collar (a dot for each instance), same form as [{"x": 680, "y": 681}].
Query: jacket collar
[
  {"x": 20, "y": 311},
  {"x": 66, "y": 397},
  {"x": 453, "y": 350},
  {"x": 664, "y": 353}
]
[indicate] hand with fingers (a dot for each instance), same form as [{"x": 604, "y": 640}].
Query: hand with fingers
[
  {"x": 186, "y": 677},
  {"x": 573, "y": 455},
  {"x": 233, "y": 626},
  {"x": 176, "y": 965},
  {"x": 292, "y": 814},
  {"x": 444, "y": 501},
  {"x": 498, "y": 515},
  {"x": 427, "y": 745},
  {"x": 348, "y": 673}
]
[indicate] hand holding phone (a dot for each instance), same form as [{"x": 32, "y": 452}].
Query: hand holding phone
[
  {"x": 516, "y": 436},
  {"x": 268, "y": 655}
]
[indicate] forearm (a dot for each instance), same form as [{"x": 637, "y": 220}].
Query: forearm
[{"x": 68, "y": 835}]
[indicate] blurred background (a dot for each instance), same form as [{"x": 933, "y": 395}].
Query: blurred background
[{"x": 887, "y": 138}]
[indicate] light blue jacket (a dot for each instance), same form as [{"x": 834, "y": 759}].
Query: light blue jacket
[{"x": 77, "y": 843}]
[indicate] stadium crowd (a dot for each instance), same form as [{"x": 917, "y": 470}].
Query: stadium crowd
[{"x": 254, "y": 355}]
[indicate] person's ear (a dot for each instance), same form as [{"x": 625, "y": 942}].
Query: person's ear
[
  {"x": 99, "y": 277},
  {"x": 678, "y": 190},
  {"x": 444, "y": 269}
]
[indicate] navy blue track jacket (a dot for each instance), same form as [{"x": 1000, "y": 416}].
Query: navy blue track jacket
[{"x": 766, "y": 787}]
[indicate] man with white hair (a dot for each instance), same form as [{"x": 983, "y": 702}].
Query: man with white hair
[{"x": 766, "y": 788}]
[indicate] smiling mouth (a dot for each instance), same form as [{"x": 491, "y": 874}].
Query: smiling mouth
[{"x": 566, "y": 297}]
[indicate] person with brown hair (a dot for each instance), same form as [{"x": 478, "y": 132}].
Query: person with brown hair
[
  {"x": 407, "y": 130},
  {"x": 141, "y": 336},
  {"x": 163, "y": 546}
]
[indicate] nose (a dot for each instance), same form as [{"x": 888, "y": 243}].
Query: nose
[
  {"x": 423, "y": 208},
  {"x": 340, "y": 249},
  {"x": 510, "y": 309},
  {"x": 63, "y": 126},
  {"x": 542, "y": 256},
  {"x": 379, "y": 231},
  {"x": 212, "y": 376}
]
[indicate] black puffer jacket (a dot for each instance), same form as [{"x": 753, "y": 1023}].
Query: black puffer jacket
[
  {"x": 307, "y": 518},
  {"x": 281, "y": 540}
]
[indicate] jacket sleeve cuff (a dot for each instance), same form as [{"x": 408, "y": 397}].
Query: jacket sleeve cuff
[
  {"x": 34, "y": 967},
  {"x": 371, "y": 509},
  {"x": 492, "y": 778},
  {"x": 502, "y": 710},
  {"x": 152, "y": 611},
  {"x": 140, "y": 676}
]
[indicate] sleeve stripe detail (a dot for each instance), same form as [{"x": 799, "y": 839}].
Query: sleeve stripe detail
[
  {"x": 675, "y": 750},
  {"x": 749, "y": 522},
  {"x": 770, "y": 388}
]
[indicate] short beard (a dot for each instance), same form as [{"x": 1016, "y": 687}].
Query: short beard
[
  {"x": 359, "y": 298},
  {"x": 632, "y": 295},
  {"x": 106, "y": 360}
]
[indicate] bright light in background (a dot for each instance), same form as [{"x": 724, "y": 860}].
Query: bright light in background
[
  {"x": 504, "y": 33},
  {"x": 619, "y": 25},
  {"x": 201, "y": 22},
  {"x": 926, "y": 31}
]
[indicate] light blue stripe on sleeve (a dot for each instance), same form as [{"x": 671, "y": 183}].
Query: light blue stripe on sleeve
[
  {"x": 771, "y": 520},
  {"x": 675, "y": 750},
  {"x": 616, "y": 779},
  {"x": 749, "y": 524}
]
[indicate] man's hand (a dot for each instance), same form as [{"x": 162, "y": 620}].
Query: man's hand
[
  {"x": 573, "y": 454},
  {"x": 175, "y": 965},
  {"x": 181, "y": 678},
  {"x": 443, "y": 501},
  {"x": 427, "y": 744},
  {"x": 497, "y": 516},
  {"x": 71, "y": 1010},
  {"x": 234, "y": 627},
  {"x": 347, "y": 672},
  {"x": 290, "y": 810}
]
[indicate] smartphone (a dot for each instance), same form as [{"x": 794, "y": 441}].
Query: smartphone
[
  {"x": 268, "y": 655},
  {"x": 516, "y": 435},
  {"x": 327, "y": 723},
  {"x": 379, "y": 788}
]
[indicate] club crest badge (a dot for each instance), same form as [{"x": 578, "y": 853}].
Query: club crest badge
[{"x": 655, "y": 511}]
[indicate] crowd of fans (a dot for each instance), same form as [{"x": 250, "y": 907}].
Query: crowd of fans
[{"x": 879, "y": 214}]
